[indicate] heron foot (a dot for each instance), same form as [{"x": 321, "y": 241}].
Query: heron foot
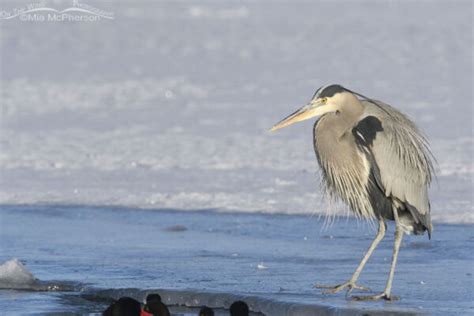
[
  {"x": 332, "y": 289},
  {"x": 381, "y": 296}
]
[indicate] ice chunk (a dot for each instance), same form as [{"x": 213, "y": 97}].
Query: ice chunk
[{"x": 13, "y": 272}]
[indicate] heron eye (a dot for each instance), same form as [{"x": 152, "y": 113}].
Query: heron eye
[{"x": 324, "y": 100}]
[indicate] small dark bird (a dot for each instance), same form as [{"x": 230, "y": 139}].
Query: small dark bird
[
  {"x": 124, "y": 306},
  {"x": 239, "y": 308},
  {"x": 206, "y": 311},
  {"x": 153, "y": 297},
  {"x": 155, "y": 306}
]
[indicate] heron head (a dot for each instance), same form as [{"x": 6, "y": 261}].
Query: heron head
[{"x": 327, "y": 99}]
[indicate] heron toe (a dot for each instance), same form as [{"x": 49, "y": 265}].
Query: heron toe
[
  {"x": 381, "y": 296},
  {"x": 332, "y": 289}
]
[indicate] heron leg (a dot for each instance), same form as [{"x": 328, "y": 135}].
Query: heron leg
[
  {"x": 386, "y": 294},
  {"x": 351, "y": 284}
]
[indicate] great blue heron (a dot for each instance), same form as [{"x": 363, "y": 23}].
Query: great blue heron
[{"x": 373, "y": 158}]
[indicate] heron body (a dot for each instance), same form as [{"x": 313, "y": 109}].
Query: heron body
[{"x": 374, "y": 159}]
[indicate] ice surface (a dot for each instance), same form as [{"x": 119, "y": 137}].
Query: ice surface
[
  {"x": 106, "y": 253},
  {"x": 169, "y": 105},
  {"x": 258, "y": 304}
]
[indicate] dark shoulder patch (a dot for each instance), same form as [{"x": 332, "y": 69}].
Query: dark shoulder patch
[{"x": 366, "y": 130}]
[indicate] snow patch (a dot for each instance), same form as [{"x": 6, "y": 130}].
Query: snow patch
[{"x": 14, "y": 273}]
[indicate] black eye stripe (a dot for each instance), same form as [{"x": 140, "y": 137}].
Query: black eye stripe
[{"x": 329, "y": 91}]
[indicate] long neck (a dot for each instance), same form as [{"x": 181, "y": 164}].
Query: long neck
[
  {"x": 337, "y": 124},
  {"x": 349, "y": 114}
]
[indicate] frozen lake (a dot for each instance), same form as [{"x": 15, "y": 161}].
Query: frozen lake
[
  {"x": 169, "y": 105},
  {"x": 202, "y": 257},
  {"x": 112, "y": 130}
]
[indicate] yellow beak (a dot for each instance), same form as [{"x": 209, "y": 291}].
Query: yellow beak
[{"x": 306, "y": 112}]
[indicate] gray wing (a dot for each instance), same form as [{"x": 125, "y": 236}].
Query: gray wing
[{"x": 402, "y": 157}]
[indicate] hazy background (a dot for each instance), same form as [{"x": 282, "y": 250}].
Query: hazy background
[{"x": 168, "y": 105}]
